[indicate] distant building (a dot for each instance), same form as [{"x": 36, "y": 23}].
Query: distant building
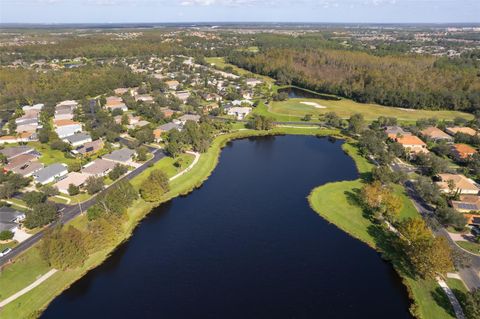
[
  {"x": 115, "y": 103},
  {"x": 461, "y": 184},
  {"x": 239, "y": 112},
  {"x": 412, "y": 144},
  {"x": 462, "y": 152},
  {"x": 89, "y": 148},
  {"x": 461, "y": 129},
  {"x": 395, "y": 131},
  {"x": 436, "y": 134}
]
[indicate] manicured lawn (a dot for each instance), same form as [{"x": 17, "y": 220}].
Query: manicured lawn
[
  {"x": 471, "y": 247},
  {"x": 293, "y": 110},
  {"x": 456, "y": 284},
  {"x": 165, "y": 164},
  {"x": 23, "y": 272},
  {"x": 50, "y": 156}
]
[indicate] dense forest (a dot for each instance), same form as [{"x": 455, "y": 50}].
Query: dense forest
[
  {"x": 403, "y": 81},
  {"x": 26, "y": 86}
]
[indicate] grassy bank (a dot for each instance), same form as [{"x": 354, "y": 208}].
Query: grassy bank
[
  {"x": 338, "y": 203},
  {"x": 29, "y": 265}
]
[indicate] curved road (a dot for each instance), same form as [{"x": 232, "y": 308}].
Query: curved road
[{"x": 68, "y": 212}]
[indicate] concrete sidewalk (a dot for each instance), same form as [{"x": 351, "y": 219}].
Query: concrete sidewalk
[{"x": 28, "y": 288}]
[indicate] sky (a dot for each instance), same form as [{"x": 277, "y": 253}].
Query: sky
[{"x": 342, "y": 11}]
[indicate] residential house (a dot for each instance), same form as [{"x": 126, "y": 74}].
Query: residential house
[
  {"x": 209, "y": 97},
  {"x": 121, "y": 91},
  {"x": 182, "y": 96},
  {"x": 89, "y": 148},
  {"x": 412, "y": 144},
  {"x": 116, "y": 103},
  {"x": 14, "y": 151},
  {"x": 75, "y": 178},
  {"x": 460, "y": 183},
  {"x": 144, "y": 98},
  {"x": 436, "y": 134},
  {"x": 189, "y": 117},
  {"x": 253, "y": 82},
  {"x": 462, "y": 152},
  {"x": 78, "y": 139},
  {"x": 67, "y": 103},
  {"x": 461, "y": 129},
  {"x": 22, "y": 137},
  {"x": 466, "y": 203},
  {"x": 65, "y": 128},
  {"x": 25, "y": 165},
  {"x": 98, "y": 167},
  {"x": 63, "y": 113},
  {"x": 239, "y": 112},
  {"x": 167, "y": 113},
  {"x": 50, "y": 173},
  {"x": 37, "y": 107},
  {"x": 395, "y": 131},
  {"x": 122, "y": 156},
  {"x": 165, "y": 128},
  {"x": 172, "y": 85},
  {"x": 10, "y": 219},
  {"x": 210, "y": 107}
]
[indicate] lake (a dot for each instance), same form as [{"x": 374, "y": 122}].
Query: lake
[
  {"x": 297, "y": 92},
  {"x": 245, "y": 245}
]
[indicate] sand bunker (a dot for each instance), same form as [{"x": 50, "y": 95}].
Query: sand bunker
[{"x": 316, "y": 105}]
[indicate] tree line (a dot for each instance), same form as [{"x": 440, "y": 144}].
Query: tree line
[{"x": 402, "y": 81}]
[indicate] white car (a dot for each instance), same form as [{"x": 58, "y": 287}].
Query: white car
[{"x": 5, "y": 251}]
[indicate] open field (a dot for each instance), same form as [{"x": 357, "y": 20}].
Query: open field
[
  {"x": 338, "y": 203},
  {"x": 294, "y": 109}
]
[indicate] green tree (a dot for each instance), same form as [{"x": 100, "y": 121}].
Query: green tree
[
  {"x": 356, "y": 123},
  {"x": 34, "y": 198},
  {"x": 6, "y": 235},
  {"x": 153, "y": 188},
  {"x": 117, "y": 171},
  {"x": 142, "y": 152},
  {"x": 429, "y": 256},
  {"x": 94, "y": 184},
  {"x": 64, "y": 248},
  {"x": 40, "y": 215},
  {"x": 73, "y": 190}
]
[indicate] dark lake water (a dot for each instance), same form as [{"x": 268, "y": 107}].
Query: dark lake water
[
  {"x": 244, "y": 245},
  {"x": 296, "y": 92}
]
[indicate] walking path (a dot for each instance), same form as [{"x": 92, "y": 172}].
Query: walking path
[
  {"x": 186, "y": 170},
  {"x": 453, "y": 300},
  {"x": 28, "y": 288}
]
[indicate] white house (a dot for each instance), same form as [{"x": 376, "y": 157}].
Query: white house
[
  {"x": 66, "y": 128},
  {"x": 239, "y": 112}
]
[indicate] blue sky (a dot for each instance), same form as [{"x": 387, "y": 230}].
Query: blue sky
[{"x": 105, "y": 11}]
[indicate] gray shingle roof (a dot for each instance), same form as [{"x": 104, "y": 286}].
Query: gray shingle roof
[
  {"x": 48, "y": 172},
  {"x": 169, "y": 126},
  {"x": 11, "y": 152},
  {"x": 8, "y": 214},
  {"x": 77, "y": 137},
  {"x": 121, "y": 155}
]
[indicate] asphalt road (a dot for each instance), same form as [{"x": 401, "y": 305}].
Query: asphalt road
[
  {"x": 469, "y": 275},
  {"x": 68, "y": 212}
]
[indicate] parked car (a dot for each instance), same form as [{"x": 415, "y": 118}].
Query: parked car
[
  {"x": 475, "y": 231},
  {"x": 5, "y": 251}
]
